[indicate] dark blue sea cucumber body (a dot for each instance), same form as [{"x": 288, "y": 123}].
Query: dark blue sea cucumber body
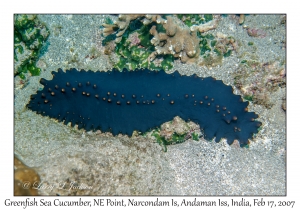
[{"x": 121, "y": 102}]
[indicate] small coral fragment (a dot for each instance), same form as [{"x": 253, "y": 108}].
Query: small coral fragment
[
  {"x": 206, "y": 26},
  {"x": 178, "y": 126},
  {"x": 256, "y": 32},
  {"x": 283, "y": 105},
  {"x": 176, "y": 131},
  {"x": 242, "y": 19}
]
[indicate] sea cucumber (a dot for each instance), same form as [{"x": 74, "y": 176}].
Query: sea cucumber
[{"x": 121, "y": 102}]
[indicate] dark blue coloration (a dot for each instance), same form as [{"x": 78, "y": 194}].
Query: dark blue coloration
[{"x": 121, "y": 102}]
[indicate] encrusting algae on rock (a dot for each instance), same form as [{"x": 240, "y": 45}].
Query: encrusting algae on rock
[
  {"x": 163, "y": 38},
  {"x": 258, "y": 81},
  {"x": 29, "y": 36},
  {"x": 176, "y": 131}
]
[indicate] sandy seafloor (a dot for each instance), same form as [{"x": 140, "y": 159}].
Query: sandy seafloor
[{"x": 137, "y": 166}]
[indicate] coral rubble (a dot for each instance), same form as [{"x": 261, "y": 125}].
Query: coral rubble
[
  {"x": 283, "y": 105},
  {"x": 256, "y": 32},
  {"x": 258, "y": 81}
]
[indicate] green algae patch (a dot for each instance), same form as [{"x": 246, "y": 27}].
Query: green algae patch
[
  {"x": 248, "y": 98},
  {"x": 195, "y": 136},
  {"x": 135, "y": 48},
  {"x": 29, "y": 36},
  {"x": 161, "y": 140},
  {"x": 194, "y": 19}
]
